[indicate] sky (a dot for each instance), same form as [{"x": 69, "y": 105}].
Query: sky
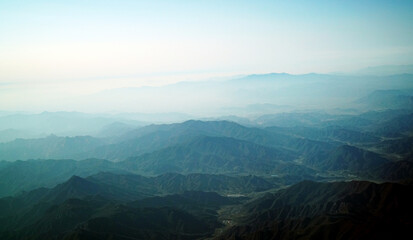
[{"x": 50, "y": 49}]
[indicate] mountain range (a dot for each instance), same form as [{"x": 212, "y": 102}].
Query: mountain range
[
  {"x": 104, "y": 207},
  {"x": 268, "y": 156},
  {"x": 341, "y": 210}
]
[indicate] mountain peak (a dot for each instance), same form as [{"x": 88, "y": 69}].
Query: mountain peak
[
  {"x": 76, "y": 179},
  {"x": 75, "y": 187}
]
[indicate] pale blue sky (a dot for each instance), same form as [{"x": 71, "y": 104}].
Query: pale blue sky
[{"x": 62, "y": 44}]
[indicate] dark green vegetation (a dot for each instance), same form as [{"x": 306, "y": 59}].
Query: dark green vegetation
[
  {"x": 342, "y": 174},
  {"x": 340, "y": 210},
  {"x": 106, "y": 205}
]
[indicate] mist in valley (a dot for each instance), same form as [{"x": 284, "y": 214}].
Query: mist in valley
[{"x": 186, "y": 120}]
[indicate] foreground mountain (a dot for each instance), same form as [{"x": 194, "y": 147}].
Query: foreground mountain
[
  {"x": 204, "y": 205},
  {"x": 394, "y": 171},
  {"x": 86, "y": 209},
  {"x": 341, "y": 210},
  {"x": 109, "y": 206},
  {"x": 100, "y": 219}
]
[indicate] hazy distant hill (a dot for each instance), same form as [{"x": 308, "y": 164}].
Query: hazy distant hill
[
  {"x": 388, "y": 99},
  {"x": 328, "y": 134},
  {"x": 212, "y": 155},
  {"x": 115, "y": 130},
  {"x": 386, "y": 70},
  {"x": 47, "y": 148},
  {"x": 59, "y": 123},
  {"x": 10, "y": 134},
  {"x": 230, "y": 97},
  {"x": 156, "y": 137},
  {"x": 35, "y": 125},
  {"x": 146, "y": 140}
]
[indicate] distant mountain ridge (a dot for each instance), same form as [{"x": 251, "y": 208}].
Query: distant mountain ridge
[
  {"x": 385, "y": 99},
  {"x": 51, "y": 147},
  {"x": 218, "y": 97},
  {"x": 262, "y": 156},
  {"x": 223, "y": 147},
  {"x": 386, "y": 70},
  {"x": 212, "y": 155}
]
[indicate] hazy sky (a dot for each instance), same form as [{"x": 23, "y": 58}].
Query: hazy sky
[{"x": 55, "y": 48}]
